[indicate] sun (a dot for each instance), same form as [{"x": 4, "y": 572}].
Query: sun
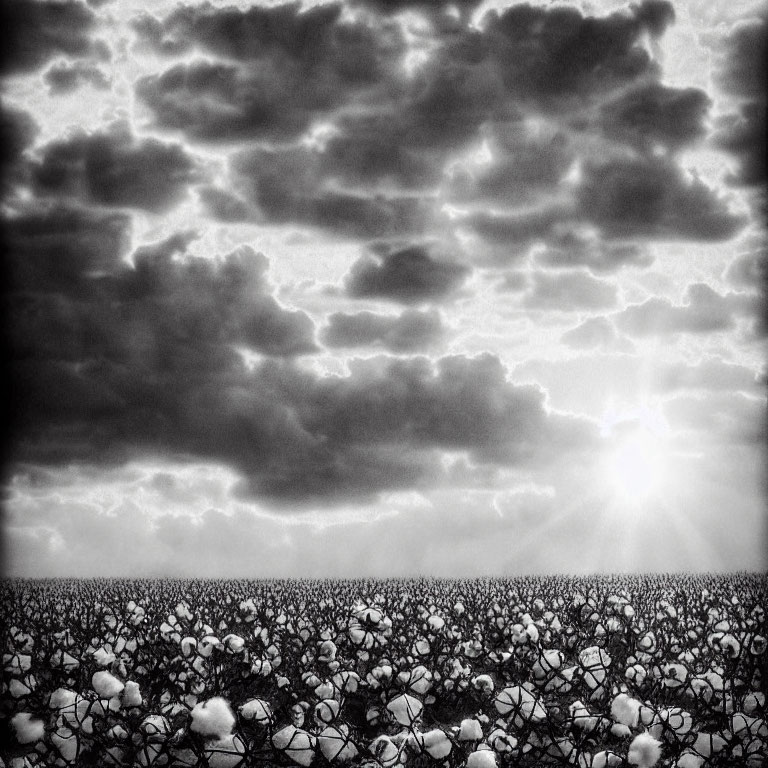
[{"x": 636, "y": 461}]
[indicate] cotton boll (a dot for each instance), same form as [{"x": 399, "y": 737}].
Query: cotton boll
[
  {"x": 155, "y": 728},
  {"x": 103, "y": 657},
  {"x": 605, "y": 759},
  {"x": 626, "y": 710},
  {"x": 28, "y": 729},
  {"x": 335, "y": 744},
  {"x": 435, "y": 743},
  {"x": 258, "y": 710},
  {"x": 385, "y": 751},
  {"x": 213, "y": 718},
  {"x": 689, "y": 759},
  {"x": 131, "y": 694},
  {"x": 644, "y": 751},
  {"x": 62, "y": 698},
  {"x": 66, "y": 742},
  {"x": 106, "y": 684},
  {"x": 470, "y": 730},
  {"x": 405, "y": 709},
  {"x": 482, "y": 758},
  {"x": 18, "y": 689},
  {"x": 225, "y": 753},
  {"x": 297, "y": 744},
  {"x": 326, "y": 711},
  {"x": 483, "y": 683}
]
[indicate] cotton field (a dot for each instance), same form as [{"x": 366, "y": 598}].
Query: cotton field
[{"x": 584, "y": 672}]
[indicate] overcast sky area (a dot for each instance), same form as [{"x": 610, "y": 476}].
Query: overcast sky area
[{"x": 384, "y": 288}]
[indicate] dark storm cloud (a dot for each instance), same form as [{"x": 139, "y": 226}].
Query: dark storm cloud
[
  {"x": 571, "y": 248},
  {"x": 410, "y": 275},
  {"x": 65, "y": 78},
  {"x": 656, "y": 115},
  {"x": 289, "y": 185},
  {"x": 224, "y": 206},
  {"x": 387, "y": 140},
  {"x": 744, "y": 74},
  {"x": 523, "y": 164},
  {"x": 293, "y": 65},
  {"x": 558, "y": 52},
  {"x": 113, "y": 360},
  {"x": 96, "y": 343},
  {"x": 34, "y": 32},
  {"x": 17, "y": 132},
  {"x": 650, "y": 198},
  {"x": 115, "y": 168},
  {"x": 568, "y": 293},
  {"x": 53, "y": 249},
  {"x": 410, "y": 331}
]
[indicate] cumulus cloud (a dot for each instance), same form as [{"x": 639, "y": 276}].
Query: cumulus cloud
[
  {"x": 743, "y": 74},
  {"x": 654, "y": 115},
  {"x": 292, "y": 66},
  {"x": 17, "y": 132},
  {"x": 410, "y": 331},
  {"x": 35, "y": 32},
  {"x": 704, "y": 311},
  {"x": 64, "y": 78},
  {"x": 651, "y": 198},
  {"x": 425, "y": 176},
  {"x": 115, "y": 168},
  {"x": 409, "y": 275}
]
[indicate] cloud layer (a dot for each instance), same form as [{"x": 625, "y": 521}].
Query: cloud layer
[{"x": 365, "y": 253}]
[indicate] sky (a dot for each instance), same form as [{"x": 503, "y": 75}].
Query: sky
[{"x": 372, "y": 288}]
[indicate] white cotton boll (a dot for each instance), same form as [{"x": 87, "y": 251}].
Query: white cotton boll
[
  {"x": 297, "y": 744},
  {"x": 626, "y": 710},
  {"x": 18, "y": 689},
  {"x": 483, "y": 683},
  {"x": 106, "y": 684},
  {"x": 213, "y": 718},
  {"x": 520, "y": 701},
  {"x": 258, "y": 710},
  {"x": 605, "y": 759},
  {"x": 501, "y": 741},
  {"x": 470, "y": 730},
  {"x": 688, "y": 759},
  {"x": 582, "y": 718},
  {"x": 103, "y": 657},
  {"x": 334, "y": 743},
  {"x": 131, "y": 694},
  {"x": 436, "y": 623},
  {"x": 227, "y": 752},
  {"x": 62, "y": 698},
  {"x": 437, "y": 744},
  {"x": 753, "y": 701},
  {"x": 621, "y": 731},
  {"x": 644, "y": 751},
  {"x": 155, "y": 728},
  {"x": 67, "y": 743},
  {"x": 234, "y": 643},
  {"x": 28, "y": 729},
  {"x": 482, "y": 758},
  {"x": 405, "y": 709},
  {"x": 385, "y": 751},
  {"x": 326, "y": 711}
]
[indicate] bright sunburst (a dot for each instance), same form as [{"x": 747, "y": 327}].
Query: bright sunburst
[{"x": 635, "y": 466}]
